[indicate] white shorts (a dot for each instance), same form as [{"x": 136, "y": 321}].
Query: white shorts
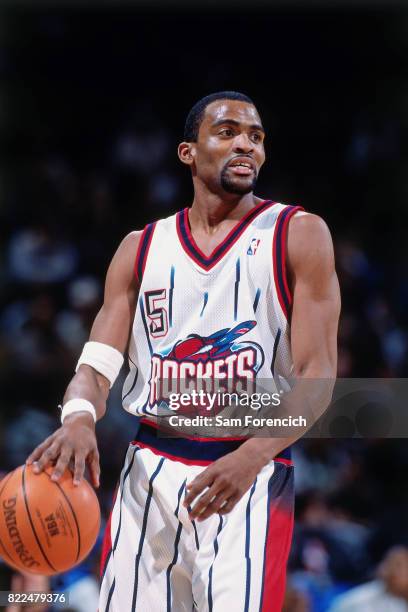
[{"x": 155, "y": 559}]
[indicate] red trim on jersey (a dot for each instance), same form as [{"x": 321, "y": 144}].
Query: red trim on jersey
[
  {"x": 180, "y": 236},
  {"x": 279, "y": 538},
  {"x": 107, "y": 538},
  {"x": 280, "y": 272},
  {"x": 278, "y": 459},
  {"x": 209, "y": 261},
  {"x": 169, "y": 456},
  {"x": 284, "y": 461},
  {"x": 142, "y": 245},
  {"x": 139, "y": 248},
  {"x": 148, "y": 247},
  {"x": 284, "y": 250},
  {"x": 195, "y": 438}
]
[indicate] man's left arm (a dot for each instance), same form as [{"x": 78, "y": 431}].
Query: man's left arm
[{"x": 314, "y": 321}]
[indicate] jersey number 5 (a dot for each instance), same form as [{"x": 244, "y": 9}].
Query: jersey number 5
[{"x": 156, "y": 312}]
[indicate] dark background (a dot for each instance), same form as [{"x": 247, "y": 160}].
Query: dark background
[{"x": 92, "y": 107}]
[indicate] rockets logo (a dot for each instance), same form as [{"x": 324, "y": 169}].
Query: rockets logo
[
  {"x": 199, "y": 362},
  {"x": 217, "y": 345}
]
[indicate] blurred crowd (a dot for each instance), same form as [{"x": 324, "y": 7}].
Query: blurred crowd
[
  {"x": 63, "y": 216},
  {"x": 351, "y": 505}
]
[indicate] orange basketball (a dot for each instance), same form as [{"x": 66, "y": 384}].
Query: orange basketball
[{"x": 46, "y": 527}]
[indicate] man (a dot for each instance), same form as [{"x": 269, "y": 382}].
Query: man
[{"x": 235, "y": 287}]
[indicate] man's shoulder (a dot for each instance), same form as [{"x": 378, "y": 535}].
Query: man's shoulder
[
  {"x": 304, "y": 222},
  {"x": 131, "y": 241},
  {"x": 306, "y": 232},
  {"x": 310, "y": 251}
]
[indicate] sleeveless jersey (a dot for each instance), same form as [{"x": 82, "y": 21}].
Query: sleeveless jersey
[{"x": 222, "y": 316}]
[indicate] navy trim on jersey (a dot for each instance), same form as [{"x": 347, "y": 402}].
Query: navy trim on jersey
[
  {"x": 279, "y": 256},
  {"x": 236, "y": 288},
  {"x": 143, "y": 250},
  {"x": 210, "y": 573},
  {"x": 171, "y": 296},
  {"x": 189, "y": 245},
  {"x": 126, "y": 474},
  {"x": 275, "y": 350},
  {"x": 256, "y": 300},
  {"x": 176, "y": 545},
  {"x": 205, "y": 303},
  {"x": 184, "y": 447},
  {"x": 195, "y": 532},
  {"x": 268, "y": 514},
  {"x": 247, "y": 547},
  {"x": 133, "y": 383},
  {"x": 142, "y": 312},
  {"x": 108, "y": 556},
  {"x": 143, "y": 531},
  {"x": 107, "y": 539},
  {"x": 110, "y": 595},
  {"x": 208, "y": 450}
]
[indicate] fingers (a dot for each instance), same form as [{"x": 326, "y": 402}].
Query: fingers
[
  {"x": 94, "y": 468},
  {"x": 46, "y": 457},
  {"x": 62, "y": 464},
  {"x": 68, "y": 450},
  {"x": 203, "y": 501},
  {"x": 220, "y": 497},
  {"x": 203, "y": 480},
  {"x": 79, "y": 466},
  {"x": 206, "y": 506},
  {"x": 229, "y": 505},
  {"x": 38, "y": 451}
]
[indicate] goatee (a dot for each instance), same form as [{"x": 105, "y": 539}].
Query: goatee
[{"x": 230, "y": 185}]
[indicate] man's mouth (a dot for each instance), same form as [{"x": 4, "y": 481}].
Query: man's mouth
[{"x": 242, "y": 167}]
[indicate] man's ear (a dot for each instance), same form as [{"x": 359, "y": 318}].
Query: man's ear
[{"x": 186, "y": 152}]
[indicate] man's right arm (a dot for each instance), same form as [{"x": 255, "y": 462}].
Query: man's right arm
[{"x": 76, "y": 439}]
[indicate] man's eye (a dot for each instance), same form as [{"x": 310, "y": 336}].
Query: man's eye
[
  {"x": 256, "y": 137},
  {"x": 227, "y": 132}
]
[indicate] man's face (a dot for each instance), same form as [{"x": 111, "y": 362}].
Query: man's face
[{"x": 229, "y": 151}]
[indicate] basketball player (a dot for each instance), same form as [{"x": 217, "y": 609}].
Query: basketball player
[{"x": 235, "y": 286}]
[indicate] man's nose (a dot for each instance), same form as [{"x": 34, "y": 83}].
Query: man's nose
[{"x": 242, "y": 143}]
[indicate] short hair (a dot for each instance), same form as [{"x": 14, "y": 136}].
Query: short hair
[{"x": 196, "y": 114}]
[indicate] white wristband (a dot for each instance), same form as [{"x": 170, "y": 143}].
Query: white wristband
[
  {"x": 77, "y": 405},
  {"x": 103, "y": 358}
]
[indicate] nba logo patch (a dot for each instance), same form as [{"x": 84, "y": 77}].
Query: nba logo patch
[{"x": 253, "y": 246}]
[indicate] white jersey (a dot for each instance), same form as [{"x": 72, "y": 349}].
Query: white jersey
[{"x": 222, "y": 316}]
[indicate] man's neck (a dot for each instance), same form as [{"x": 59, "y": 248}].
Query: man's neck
[{"x": 209, "y": 210}]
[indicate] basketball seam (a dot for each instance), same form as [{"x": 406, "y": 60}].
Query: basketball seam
[
  {"x": 2, "y": 489},
  {"x": 31, "y": 521},
  {"x": 7, "y": 553},
  {"x": 7, "y": 478},
  {"x": 73, "y": 514}
]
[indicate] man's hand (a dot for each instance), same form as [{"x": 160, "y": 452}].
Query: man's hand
[
  {"x": 227, "y": 479},
  {"x": 75, "y": 441}
]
